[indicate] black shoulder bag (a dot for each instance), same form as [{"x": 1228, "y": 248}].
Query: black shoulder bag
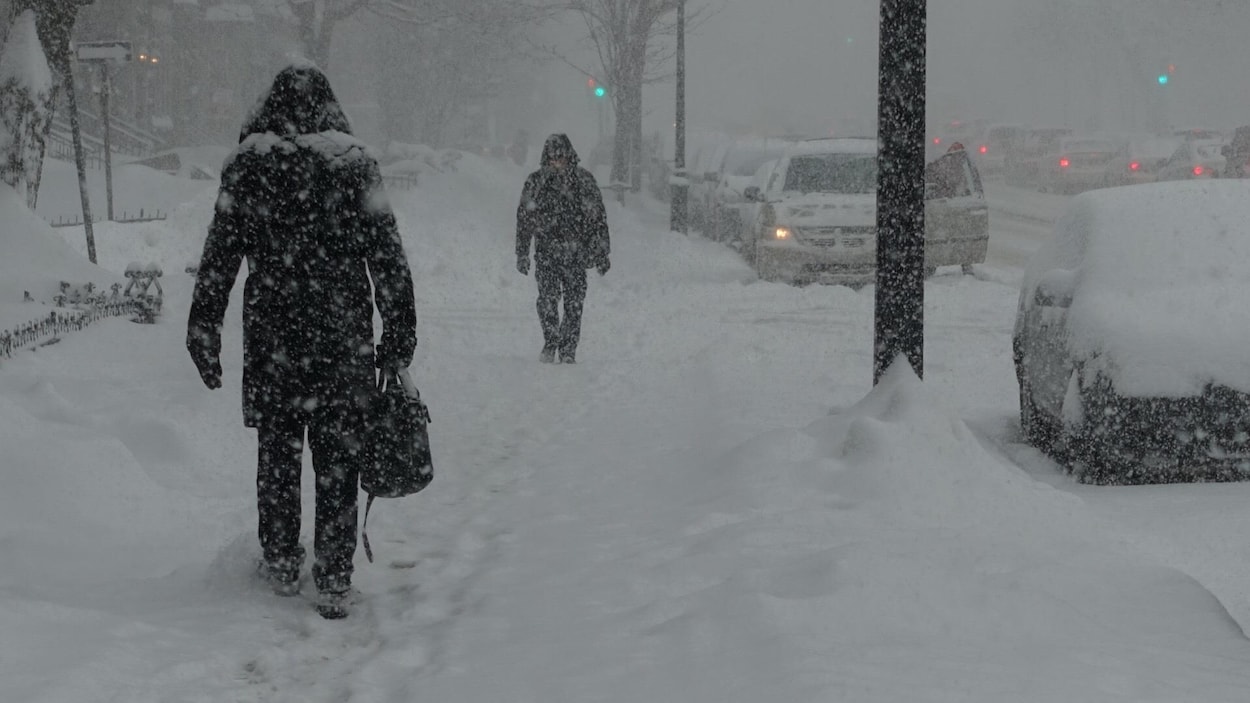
[{"x": 397, "y": 460}]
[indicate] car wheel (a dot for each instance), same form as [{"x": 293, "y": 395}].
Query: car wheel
[{"x": 1037, "y": 428}]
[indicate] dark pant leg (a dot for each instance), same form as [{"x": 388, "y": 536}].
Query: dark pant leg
[
  {"x": 281, "y": 448},
  {"x": 573, "y": 280},
  {"x": 549, "y": 304},
  {"x": 335, "y": 439}
]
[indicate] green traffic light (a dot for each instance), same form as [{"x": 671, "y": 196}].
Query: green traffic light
[
  {"x": 1163, "y": 79},
  {"x": 600, "y": 92}
]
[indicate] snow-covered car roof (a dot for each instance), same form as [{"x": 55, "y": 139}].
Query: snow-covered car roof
[
  {"x": 845, "y": 145},
  {"x": 1160, "y": 284}
]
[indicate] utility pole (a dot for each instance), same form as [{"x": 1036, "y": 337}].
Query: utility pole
[
  {"x": 679, "y": 187},
  {"x": 104, "y": 53},
  {"x": 899, "y": 307},
  {"x": 105, "y": 89}
]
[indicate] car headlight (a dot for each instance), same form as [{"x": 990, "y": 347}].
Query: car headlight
[{"x": 783, "y": 234}]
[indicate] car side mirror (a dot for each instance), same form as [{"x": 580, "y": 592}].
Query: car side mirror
[
  {"x": 1055, "y": 288},
  {"x": 752, "y": 194}
]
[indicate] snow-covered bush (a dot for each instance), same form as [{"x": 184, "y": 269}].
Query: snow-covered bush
[{"x": 25, "y": 104}]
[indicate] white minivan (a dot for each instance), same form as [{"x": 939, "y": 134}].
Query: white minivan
[{"x": 817, "y": 220}]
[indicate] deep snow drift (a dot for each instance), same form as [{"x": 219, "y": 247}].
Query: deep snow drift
[{"x": 713, "y": 506}]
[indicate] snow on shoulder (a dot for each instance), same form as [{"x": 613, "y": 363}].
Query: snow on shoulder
[
  {"x": 339, "y": 148},
  {"x": 1160, "y": 283}
]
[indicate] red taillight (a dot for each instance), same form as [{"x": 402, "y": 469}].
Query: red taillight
[
  {"x": 1134, "y": 166},
  {"x": 1198, "y": 170},
  {"x": 937, "y": 140},
  {"x": 1064, "y": 163},
  {"x": 983, "y": 149}
]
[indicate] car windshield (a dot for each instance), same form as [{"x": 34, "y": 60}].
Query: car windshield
[
  {"x": 1208, "y": 151},
  {"x": 832, "y": 173}
]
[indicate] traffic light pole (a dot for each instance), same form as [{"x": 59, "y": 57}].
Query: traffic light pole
[
  {"x": 105, "y": 90},
  {"x": 899, "y": 307},
  {"x": 679, "y": 187}
]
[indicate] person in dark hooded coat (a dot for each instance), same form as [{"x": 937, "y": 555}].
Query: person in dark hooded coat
[
  {"x": 562, "y": 212},
  {"x": 302, "y": 202}
]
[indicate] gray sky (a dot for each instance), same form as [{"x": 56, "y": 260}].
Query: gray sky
[{"x": 810, "y": 65}]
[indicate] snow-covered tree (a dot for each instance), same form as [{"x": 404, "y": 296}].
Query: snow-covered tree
[
  {"x": 317, "y": 20},
  {"x": 624, "y": 32},
  {"x": 26, "y": 89},
  {"x": 453, "y": 53}
]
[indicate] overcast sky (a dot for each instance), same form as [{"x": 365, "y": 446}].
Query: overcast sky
[{"x": 810, "y": 66}]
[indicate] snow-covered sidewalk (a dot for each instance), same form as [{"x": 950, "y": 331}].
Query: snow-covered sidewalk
[{"x": 713, "y": 505}]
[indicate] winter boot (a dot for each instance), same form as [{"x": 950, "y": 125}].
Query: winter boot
[
  {"x": 281, "y": 579},
  {"x": 332, "y": 605},
  {"x": 548, "y": 355}
]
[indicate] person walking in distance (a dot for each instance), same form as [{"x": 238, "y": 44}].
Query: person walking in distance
[
  {"x": 302, "y": 201},
  {"x": 562, "y": 213}
]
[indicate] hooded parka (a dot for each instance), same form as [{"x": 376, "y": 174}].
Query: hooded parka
[
  {"x": 302, "y": 201},
  {"x": 562, "y": 212}
]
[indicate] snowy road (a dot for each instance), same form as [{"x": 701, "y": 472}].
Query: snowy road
[{"x": 700, "y": 510}]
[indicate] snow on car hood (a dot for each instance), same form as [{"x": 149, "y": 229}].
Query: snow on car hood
[
  {"x": 1162, "y": 286},
  {"x": 827, "y": 210}
]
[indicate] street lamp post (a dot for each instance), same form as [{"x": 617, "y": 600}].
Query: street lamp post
[
  {"x": 899, "y": 307},
  {"x": 679, "y": 187}
]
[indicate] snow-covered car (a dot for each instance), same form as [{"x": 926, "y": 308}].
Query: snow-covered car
[
  {"x": 818, "y": 222},
  {"x": 724, "y": 217},
  {"x": 991, "y": 149},
  {"x": 1079, "y": 164},
  {"x": 752, "y": 201},
  {"x": 1131, "y": 334},
  {"x": 706, "y": 154},
  {"x": 1194, "y": 160},
  {"x": 1139, "y": 161},
  {"x": 1022, "y": 165},
  {"x": 1237, "y": 154}
]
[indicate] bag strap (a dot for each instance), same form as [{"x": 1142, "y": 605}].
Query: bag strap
[{"x": 364, "y": 534}]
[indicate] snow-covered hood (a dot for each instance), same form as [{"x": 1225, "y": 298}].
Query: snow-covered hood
[{"x": 827, "y": 210}]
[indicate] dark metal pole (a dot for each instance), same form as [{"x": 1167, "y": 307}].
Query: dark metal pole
[
  {"x": 900, "y": 188},
  {"x": 108, "y": 147},
  {"x": 680, "y": 187},
  {"x": 75, "y": 129}
]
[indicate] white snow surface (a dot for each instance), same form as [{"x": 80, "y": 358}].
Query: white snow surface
[
  {"x": 713, "y": 505},
  {"x": 1160, "y": 285}
]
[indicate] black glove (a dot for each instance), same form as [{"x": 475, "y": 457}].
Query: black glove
[
  {"x": 205, "y": 348},
  {"x": 523, "y": 265},
  {"x": 604, "y": 265},
  {"x": 387, "y": 360}
]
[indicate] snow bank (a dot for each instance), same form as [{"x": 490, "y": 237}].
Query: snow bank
[{"x": 34, "y": 259}]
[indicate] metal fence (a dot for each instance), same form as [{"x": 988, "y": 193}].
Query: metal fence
[
  {"x": 125, "y": 217},
  {"x": 400, "y": 182},
  {"x": 47, "y": 330}
]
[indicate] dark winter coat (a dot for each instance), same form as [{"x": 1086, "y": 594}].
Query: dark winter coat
[
  {"x": 562, "y": 211},
  {"x": 302, "y": 201}
]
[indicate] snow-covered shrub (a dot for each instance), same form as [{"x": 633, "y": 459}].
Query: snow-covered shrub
[{"x": 25, "y": 104}]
